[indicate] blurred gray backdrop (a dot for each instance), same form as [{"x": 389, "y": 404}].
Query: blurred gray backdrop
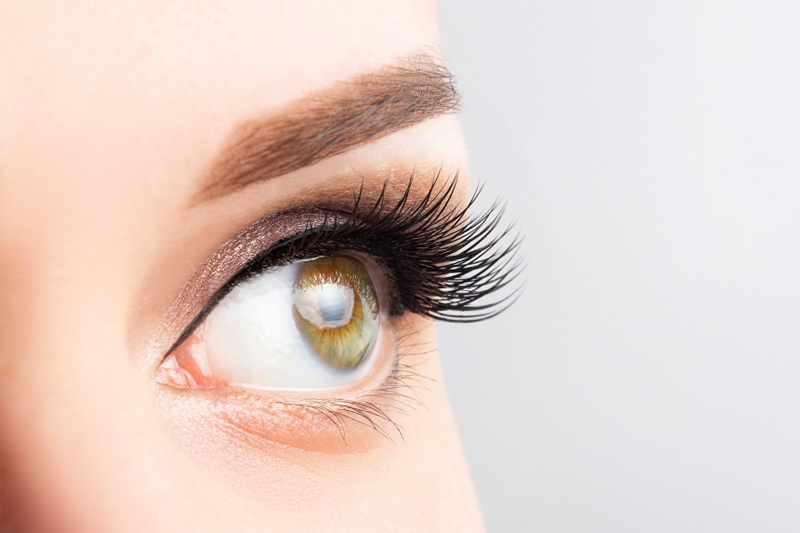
[{"x": 649, "y": 378}]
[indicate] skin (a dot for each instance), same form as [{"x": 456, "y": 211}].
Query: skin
[{"x": 111, "y": 115}]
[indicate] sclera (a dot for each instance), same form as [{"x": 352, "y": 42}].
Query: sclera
[{"x": 251, "y": 340}]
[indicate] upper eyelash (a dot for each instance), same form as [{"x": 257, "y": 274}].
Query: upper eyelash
[{"x": 438, "y": 260}]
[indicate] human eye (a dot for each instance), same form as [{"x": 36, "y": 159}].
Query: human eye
[
  {"x": 317, "y": 318},
  {"x": 312, "y": 324}
]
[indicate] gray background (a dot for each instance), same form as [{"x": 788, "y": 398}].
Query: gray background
[{"x": 649, "y": 379}]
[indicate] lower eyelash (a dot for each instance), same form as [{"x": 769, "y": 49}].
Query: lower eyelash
[
  {"x": 369, "y": 409},
  {"x": 399, "y": 392},
  {"x": 272, "y": 417}
]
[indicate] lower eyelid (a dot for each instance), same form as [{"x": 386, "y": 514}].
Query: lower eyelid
[
  {"x": 267, "y": 424},
  {"x": 350, "y": 422}
]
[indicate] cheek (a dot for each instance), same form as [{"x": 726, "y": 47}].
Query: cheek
[{"x": 270, "y": 455}]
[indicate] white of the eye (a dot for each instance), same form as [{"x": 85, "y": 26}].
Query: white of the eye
[
  {"x": 251, "y": 338},
  {"x": 328, "y": 305}
]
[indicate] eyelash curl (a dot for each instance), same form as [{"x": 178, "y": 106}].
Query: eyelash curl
[{"x": 439, "y": 262}]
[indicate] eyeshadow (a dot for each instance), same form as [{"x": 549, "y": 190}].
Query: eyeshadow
[
  {"x": 254, "y": 239},
  {"x": 230, "y": 258}
]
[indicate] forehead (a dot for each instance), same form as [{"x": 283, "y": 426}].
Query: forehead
[{"x": 91, "y": 77}]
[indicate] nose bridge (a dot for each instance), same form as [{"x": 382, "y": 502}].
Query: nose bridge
[
  {"x": 65, "y": 375},
  {"x": 81, "y": 445}
]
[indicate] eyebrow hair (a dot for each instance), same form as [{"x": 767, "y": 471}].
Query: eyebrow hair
[{"x": 333, "y": 120}]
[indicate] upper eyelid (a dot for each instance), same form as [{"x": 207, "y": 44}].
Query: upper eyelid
[
  {"x": 464, "y": 259},
  {"x": 316, "y": 220},
  {"x": 288, "y": 217},
  {"x": 259, "y": 236},
  {"x": 204, "y": 290},
  {"x": 240, "y": 276}
]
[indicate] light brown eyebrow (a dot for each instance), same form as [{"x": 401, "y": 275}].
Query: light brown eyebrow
[{"x": 331, "y": 121}]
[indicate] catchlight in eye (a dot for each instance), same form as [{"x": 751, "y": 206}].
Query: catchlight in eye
[
  {"x": 309, "y": 325},
  {"x": 336, "y": 309}
]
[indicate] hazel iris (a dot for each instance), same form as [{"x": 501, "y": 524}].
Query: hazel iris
[{"x": 335, "y": 307}]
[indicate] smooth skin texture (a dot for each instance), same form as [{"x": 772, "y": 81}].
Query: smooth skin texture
[{"x": 110, "y": 114}]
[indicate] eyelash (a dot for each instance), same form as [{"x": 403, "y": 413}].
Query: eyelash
[
  {"x": 438, "y": 261},
  {"x": 402, "y": 386}
]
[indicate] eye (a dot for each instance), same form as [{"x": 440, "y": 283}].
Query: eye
[
  {"x": 335, "y": 305},
  {"x": 308, "y": 325}
]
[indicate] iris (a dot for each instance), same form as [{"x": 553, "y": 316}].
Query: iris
[{"x": 336, "y": 309}]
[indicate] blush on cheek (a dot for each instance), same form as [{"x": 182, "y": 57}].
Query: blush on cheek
[{"x": 187, "y": 367}]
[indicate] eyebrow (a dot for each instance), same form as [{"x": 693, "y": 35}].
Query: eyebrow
[{"x": 331, "y": 121}]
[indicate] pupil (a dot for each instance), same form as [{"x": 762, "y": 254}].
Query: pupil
[{"x": 332, "y": 303}]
